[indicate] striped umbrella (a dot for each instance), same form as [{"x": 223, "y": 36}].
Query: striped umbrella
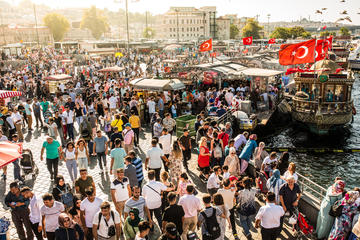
[
  {"x": 9, "y": 94},
  {"x": 9, "y": 152}
]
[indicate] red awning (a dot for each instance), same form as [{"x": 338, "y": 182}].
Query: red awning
[
  {"x": 8, "y": 94},
  {"x": 9, "y": 152}
]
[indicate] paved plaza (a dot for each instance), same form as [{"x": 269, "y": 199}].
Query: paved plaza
[{"x": 42, "y": 183}]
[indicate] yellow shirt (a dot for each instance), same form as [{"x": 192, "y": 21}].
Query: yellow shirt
[
  {"x": 117, "y": 123},
  {"x": 134, "y": 121}
]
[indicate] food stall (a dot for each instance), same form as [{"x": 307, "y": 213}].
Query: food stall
[
  {"x": 55, "y": 80},
  {"x": 110, "y": 70}
]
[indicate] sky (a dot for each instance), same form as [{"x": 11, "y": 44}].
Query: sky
[{"x": 280, "y": 10}]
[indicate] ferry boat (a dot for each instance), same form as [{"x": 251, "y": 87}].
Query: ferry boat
[{"x": 323, "y": 98}]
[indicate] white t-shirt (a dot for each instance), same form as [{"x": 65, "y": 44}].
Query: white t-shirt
[
  {"x": 151, "y": 192},
  {"x": 151, "y": 106},
  {"x": 103, "y": 229},
  {"x": 288, "y": 174},
  {"x": 267, "y": 163},
  {"x": 165, "y": 141},
  {"x": 154, "y": 154},
  {"x": 121, "y": 189},
  {"x": 90, "y": 209},
  {"x": 228, "y": 197},
  {"x": 113, "y": 102},
  {"x": 52, "y": 216}
]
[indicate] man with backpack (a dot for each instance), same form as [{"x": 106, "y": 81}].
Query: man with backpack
[
  {"x": 106, "y": 223},
  {"x": 209, "y": 220}
]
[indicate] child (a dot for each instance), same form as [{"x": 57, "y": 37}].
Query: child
[{"x": 226, "y": 173}]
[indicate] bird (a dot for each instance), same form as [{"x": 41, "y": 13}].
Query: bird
[
  {"x": 348, "y": 18},
  {"x": 358, "y": 13},
  {"x": 318, "y": 11},
  {"x": 344, "y": 12},
  {"x": 324, "y": 9},
  {"x": 342, "y": 1},
  {"x": 339, "y": 20}
]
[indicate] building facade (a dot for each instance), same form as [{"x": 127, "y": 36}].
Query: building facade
[
  {"x": 25, "y": 34},
  {"x": 186, "y": 23},
  {"x": 222, "y": 28}
]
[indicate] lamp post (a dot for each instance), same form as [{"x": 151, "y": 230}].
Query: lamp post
[
  {"x": 268, "y": 17},
  {"x": 127, "y": 23},
  {"x": 37, "y": 30},
  {"x": 177, "y": 25}
]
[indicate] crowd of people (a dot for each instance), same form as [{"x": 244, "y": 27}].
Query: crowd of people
[{"x": 101, "y": 118}]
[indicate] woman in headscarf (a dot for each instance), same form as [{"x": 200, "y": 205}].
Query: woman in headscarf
[
  {"x": 259, "y": 155},
  {"x": 324, "y": 220},
  {"x": 68, "y": 230},
  {"x": 283, "y": 163},
  {"x": 131, "y": 224},
  {"x": 232, "y": 161},
  {"x": 247, "y": 152},
  {"x": 343, "y": 224},
  {"x": 274, "y": 183}
]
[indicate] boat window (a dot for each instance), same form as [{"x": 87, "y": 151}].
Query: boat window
[
  {"x": 329, "y": 93},
  {"x": 339, "y": 93}
]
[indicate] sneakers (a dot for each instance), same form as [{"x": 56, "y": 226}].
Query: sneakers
[{"x": 236, "y": 237}]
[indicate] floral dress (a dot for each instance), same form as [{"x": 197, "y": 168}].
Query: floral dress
[
  {"x": 343, "y": 224},
  {"x": 175, "y": 167}
]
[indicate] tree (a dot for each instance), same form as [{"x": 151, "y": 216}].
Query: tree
[
  {"x": 344, "y": 31},
  {"x": 297, "y": 31},
  {"x": 252, "y": 28},
  {"x": 327, "y": 33},
  {"x": 306, "y": 35},
  {"x": 149, "y": 33},
  {"x": 94, "y": 20},
  {"x": 58, "y": 25},
  {"x": 281, "y": 33},
  {"x": 234, "y": 31}
]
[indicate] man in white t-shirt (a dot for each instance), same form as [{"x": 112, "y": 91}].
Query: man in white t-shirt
[
  {"x": 154, "y": 158},
  {"x": 88, "y": 208},
  {"x": 165, "y": 141},
  {"x": 106, "y": 223},
  {"x": 152, "y": 194},
  {"x": 120, "y": 191},
  {"x": 50, "y": 212},
  {"x": 268, "y": 161},
  {"x": 113, "y": 102},
  {"x": 151, "y": 105}
]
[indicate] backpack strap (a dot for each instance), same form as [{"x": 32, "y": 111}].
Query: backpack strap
[{"x": 100, "y": 215}]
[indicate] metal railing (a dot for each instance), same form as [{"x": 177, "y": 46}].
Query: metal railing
[
  {"x": 311, "y": 188},
  {"x": 226, "y": 117},
  {"x": 303, "y": 105}
]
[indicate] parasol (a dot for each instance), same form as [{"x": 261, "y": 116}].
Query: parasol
[
  {"x": 9, "y": 94},
  {"x": 9, "y": 152}
]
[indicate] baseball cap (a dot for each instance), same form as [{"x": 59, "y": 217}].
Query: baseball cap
[
  {"x": 171, "y": 230},
  {"x": 127, "y": 125},
  {"x": 232, "y": 178}
]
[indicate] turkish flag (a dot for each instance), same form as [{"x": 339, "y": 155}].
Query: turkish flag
[
  {"x": 299, "y": 53},
  {"x": 272, "y": 41},
  {"x": 206, "y": 46},
  {"x": 322, "y": 47},
  {"x": 213, "y": 54},
  {"x": 247, "y": 40},
  {"x": 245, "y": 51}
]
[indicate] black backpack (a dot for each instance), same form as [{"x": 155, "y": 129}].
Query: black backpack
[
  {"x": 336, "y": 209},
  {"x": 212, "y": 226}
]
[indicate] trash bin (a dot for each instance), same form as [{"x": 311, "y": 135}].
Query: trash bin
[{"x": 187, "y": 121}]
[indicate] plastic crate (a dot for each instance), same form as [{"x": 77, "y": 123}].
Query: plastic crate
[{"x": 185, "y": 121}]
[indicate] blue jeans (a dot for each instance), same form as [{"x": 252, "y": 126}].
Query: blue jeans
[
  {"x": 83, "y": 163},
  {"x": 245, "y": 223},
  {"x": 72, "y": 168},
  {"x": 17, "y": 170},
  {"x": 79, "y": 120},
  {"x": 101, "y": 155}
]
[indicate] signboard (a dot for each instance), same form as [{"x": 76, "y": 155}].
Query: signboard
[{"x": 323, "y": 78}]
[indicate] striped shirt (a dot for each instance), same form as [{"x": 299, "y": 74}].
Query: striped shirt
[
  {"x": 139, "y": 204},
  {"x": 139, "y": 168}
]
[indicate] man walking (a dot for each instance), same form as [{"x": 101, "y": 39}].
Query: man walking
[
  {"x": 34, "y": 207},
  {"x": 165, "y": 141},
  {"x": 53, "y": 149},
  {"x": 19, "y": 212},
  {"x": 37, "y": 113},
  {"x": 128, "y": 135},
  {"x": 101, "y": 148},
  {"x": 268, "y": 218},
  {"x": 106, "y": 223},
  {"x": 169, "y": 123},
  {"x": 50, "y": 212},
  {"x": 154, "y": 157},
  {"x": 185, "y": 144},
  {"x": 28, "y": 112},
  {"x": 138, "y": 202},
  {"x": 69, "y": 118},
  {"x": 135, "y": 122},
  {"x": 120, "y": 191}
]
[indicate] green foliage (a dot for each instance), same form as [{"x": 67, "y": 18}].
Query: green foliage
[
  {"x": 252, "y": 28},
  {"x": 327, "y": 34},
  {"x": 344, "y": 31},
  {"x": 286, "y": 33},
  {"x": 149, "y": 33},
  {"x": 57, "y": 24},
  {"x": 234, "y": 31},
  {"x": 94, "y": 20}
]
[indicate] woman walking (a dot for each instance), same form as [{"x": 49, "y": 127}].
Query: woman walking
[
  {"x": 82, "y": 154},
  {"x": 175, "y": 159},
  {"x": 69, "y": 158}
]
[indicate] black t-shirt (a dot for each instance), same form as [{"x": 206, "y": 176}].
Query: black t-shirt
[
  {"x": 58, "y": 121},
  {"x": 164, "y": 237},
  {"x": 115, "y": 136},
  {"x": 289, "y": 195},
  {"x": 174, "y": 214},
  {"x": 185, "y": 141}
]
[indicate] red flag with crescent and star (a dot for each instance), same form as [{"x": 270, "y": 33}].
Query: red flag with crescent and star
[
  {"x": 272, "y": 41},
  {"x": 247, "y": 40},
  {"x": 206, "y": 46},
  {"x": 322, "y": 48},
  {"x": 299, "y": 53}
]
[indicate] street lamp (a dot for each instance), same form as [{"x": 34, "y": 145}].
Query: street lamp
[
  {"x": 268, "y": 17},
  {"x": 127, "y": 22}
]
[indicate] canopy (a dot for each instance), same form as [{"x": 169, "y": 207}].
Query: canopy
[
  {"x": 172, "y": 47},
  {"x": 112, "y": 69},
  {"x": 59, "y": 77},
  {"x": 9, "y": 94},
  {"x": 9, "y": 152},
  {"x": 66, "y": 61},
  {"x": 260, "y": 72},
  {"x": 157, "y": 84}
]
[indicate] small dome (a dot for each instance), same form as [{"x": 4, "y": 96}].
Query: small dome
[{"x": 325, "y": 66}]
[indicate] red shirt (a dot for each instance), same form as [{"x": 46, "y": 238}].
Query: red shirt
[
  {"x": 225, "y": 138},
  {"x": 204, "y": 161}
]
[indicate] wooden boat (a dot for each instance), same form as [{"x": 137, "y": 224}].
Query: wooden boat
[{"x": 323, "y": 99}]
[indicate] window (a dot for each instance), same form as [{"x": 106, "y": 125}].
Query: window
[
  {"x": 164, "y": 21},
  {"x": 182, "y": 30},
  {"x": 190, "y": 21},
  {"x": 187, "y": 21},
  {"x": 170, "y": 29},
  {"x": 198, "y": 29},
  {"x": 187, "y": 29},
  {"x": 182, "y": 21}
]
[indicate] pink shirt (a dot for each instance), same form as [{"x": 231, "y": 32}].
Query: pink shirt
[
  {"x": 190, "y": 204},
  {"x": 128, "y": 136}
]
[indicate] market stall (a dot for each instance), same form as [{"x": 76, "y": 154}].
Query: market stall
[{"x": 56, "y": 80}]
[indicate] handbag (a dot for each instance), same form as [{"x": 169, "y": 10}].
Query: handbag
[{"x": 66, "y": 197}]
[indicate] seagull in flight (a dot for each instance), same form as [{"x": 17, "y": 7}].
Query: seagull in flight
[
  {"x": 324, "y": 9},
  {"x": 339, "y": 20},
  {"x": 342, "y": 1},
  {"x": 318, "y": 11},
  {"x": 348, "y": 19},
  {"x": 344, "y": 12}
]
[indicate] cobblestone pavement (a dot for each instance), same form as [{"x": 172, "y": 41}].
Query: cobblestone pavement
[{"x": 42, "y": 183}]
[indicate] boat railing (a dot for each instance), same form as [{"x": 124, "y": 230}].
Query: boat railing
[
  {"x": 301, "y": 105},
  {"x": 311, "y": 189}
]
